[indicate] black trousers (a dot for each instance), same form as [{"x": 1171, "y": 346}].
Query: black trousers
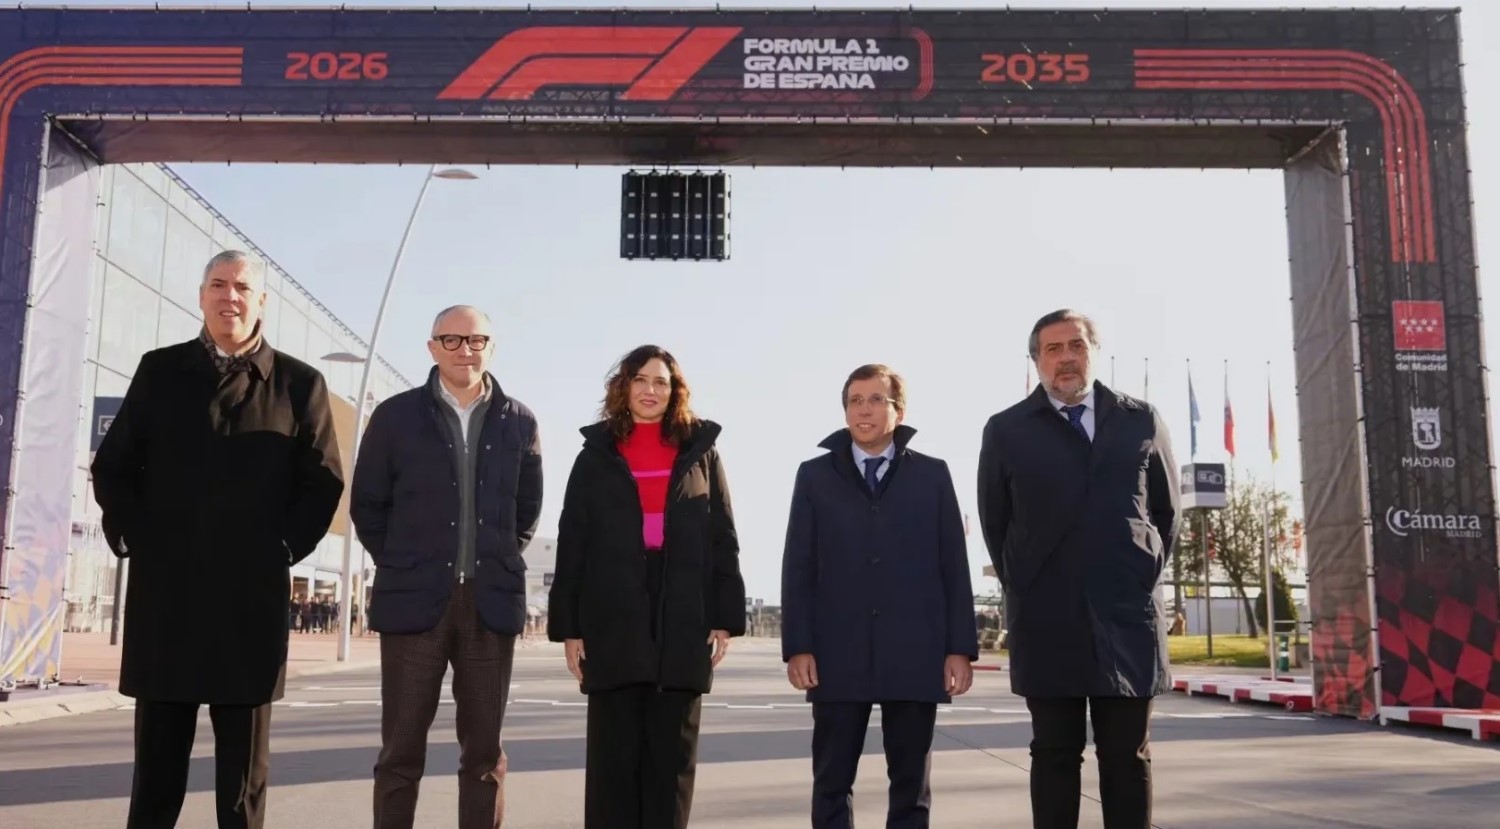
[
  {"x": 164, "y": 733},
  {"x": 642, "y": 758},
  {"x": 838, "y": 740},
  {"x": 1122, "y": 744}
]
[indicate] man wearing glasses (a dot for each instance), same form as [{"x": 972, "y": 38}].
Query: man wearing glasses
[
  {"x": 877, "y": 603},
  {"x": 446, "y": 495}
]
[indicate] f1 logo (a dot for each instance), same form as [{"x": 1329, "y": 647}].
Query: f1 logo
[{"x": 655, "y": 61}]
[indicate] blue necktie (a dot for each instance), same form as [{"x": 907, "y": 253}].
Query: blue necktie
[
  {"x": 1075, "y": 417},
  {"x": 872, "y": 465}
]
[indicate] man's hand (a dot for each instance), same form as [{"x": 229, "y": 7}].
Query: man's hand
[
  {"x": 573, "y": 650},
  {"x": 802, "y": 670},
  {"x": 720, "y": 640},
  {"x": 958, "y": 674}
]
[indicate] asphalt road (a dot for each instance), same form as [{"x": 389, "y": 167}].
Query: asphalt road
[{"x": 1217, "y": 765}]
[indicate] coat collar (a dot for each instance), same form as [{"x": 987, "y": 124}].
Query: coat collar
[
  {"x": 497, "y": 395},
  {"x": 842, "y": 440},
  {"x": 196, "y": 354},
  {"x": 840, "y": 448},
  {"x": 1106, "y": 400},
  {"x": 699, "y": 440}
]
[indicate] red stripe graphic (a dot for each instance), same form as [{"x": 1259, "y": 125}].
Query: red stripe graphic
[
  {"x": 528, "y": 59},
  {"x": 1394, "y": 132},
  {"x": 924, "y": 55},
  {"x": 1408, "y": 165},
  {"x": 111, "y": 66}
]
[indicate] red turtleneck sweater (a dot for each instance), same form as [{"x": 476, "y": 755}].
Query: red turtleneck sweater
[{"x": 650, "y": 461}]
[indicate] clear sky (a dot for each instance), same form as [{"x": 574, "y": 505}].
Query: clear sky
[{"x": 938, "y": 273}]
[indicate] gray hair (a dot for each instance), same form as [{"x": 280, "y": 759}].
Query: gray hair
[
  {"x": 438, "y": 320},
  {"x": 234, "y": 257},
  {"x": 1034, "y": 343}
]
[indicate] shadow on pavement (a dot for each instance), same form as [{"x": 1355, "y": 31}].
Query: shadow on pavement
[{"x": 302, "y": 767}]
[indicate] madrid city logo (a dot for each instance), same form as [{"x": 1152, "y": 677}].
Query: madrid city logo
[
  {"x": 1405, "y": 522},
  {"x": 1427, "y": 436},
  {"x": 1426, "y": 428}
]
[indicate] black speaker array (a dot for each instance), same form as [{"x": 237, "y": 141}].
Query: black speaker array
[{"x": 674, "y": 216}]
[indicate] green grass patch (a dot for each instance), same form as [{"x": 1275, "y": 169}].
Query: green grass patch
[
  {"x": 1230, "y": 649},
  {"x": 1234, "y": 650}
]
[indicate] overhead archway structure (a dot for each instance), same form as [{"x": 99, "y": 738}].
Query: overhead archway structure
[{"x": 1362, "y": 110}]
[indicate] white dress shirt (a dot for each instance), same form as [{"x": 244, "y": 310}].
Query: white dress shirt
[
  {"x": 465, "y": 413},
  {"x": 860, "y": 455}
]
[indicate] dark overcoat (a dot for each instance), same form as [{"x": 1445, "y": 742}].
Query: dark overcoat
[
  {"x": 875, "y": 585},
  {"x": 599, "y": 590},
  {"x": 1079, "y": 533},
  {"x": 214, "y": 486},
  {"x": 404, "y": 503}
]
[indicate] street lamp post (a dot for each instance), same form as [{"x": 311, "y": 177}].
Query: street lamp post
[{"x": 346, "y": 576}]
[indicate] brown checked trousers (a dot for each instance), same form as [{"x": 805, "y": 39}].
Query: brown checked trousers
[{"x": 412, "y": 667}]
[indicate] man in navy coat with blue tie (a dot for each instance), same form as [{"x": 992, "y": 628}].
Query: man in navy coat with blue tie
[
  {"x": 1078, "y": 503},
  {"x": 877, "y": 603}
]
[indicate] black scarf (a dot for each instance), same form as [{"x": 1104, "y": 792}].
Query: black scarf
[{"x": 233, "y": 362}]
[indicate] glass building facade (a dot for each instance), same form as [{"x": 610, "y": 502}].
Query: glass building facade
[{"x": 155, "y": 235}]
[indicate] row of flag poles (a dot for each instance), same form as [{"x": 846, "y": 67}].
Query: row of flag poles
[
  {"x": 1193, "y": 415},
  {"x": 1229, "y": 448}
]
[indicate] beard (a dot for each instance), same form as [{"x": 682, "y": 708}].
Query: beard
[{"x": 1071, "y": 384}]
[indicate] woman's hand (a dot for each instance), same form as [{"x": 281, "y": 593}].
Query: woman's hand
[
  {"x": 720, "y": 640},
  {"x": 573, "y": 650}
]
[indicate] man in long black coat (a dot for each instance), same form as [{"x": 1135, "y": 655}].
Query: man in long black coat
[
  {"x": 1078, "y": 503},
  {"x": 219, "y": 473},
  {"x": 877, "y": 601}
]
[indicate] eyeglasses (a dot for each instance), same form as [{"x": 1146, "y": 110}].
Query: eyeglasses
[
  {"x": 876, "y": 400},
  {"x": 451, "y": 342}
]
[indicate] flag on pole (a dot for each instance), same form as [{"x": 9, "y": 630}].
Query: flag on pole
[
  {"x": 1193, "y": 416},
  {"x": 1271, "y": 423},
  {"x": 1228, "y": 415}
]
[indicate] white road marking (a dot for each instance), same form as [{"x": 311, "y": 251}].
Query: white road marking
[
  {"x": 447, "y": 686},
  {"x": 1022, "y": 713}
]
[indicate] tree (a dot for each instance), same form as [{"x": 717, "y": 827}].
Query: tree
[
  {"x": 1235, "y": 537},
  {"x": 1281, "y": 594}
]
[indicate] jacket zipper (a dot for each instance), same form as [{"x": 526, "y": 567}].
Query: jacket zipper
[{"x": 464, "y": 439}]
